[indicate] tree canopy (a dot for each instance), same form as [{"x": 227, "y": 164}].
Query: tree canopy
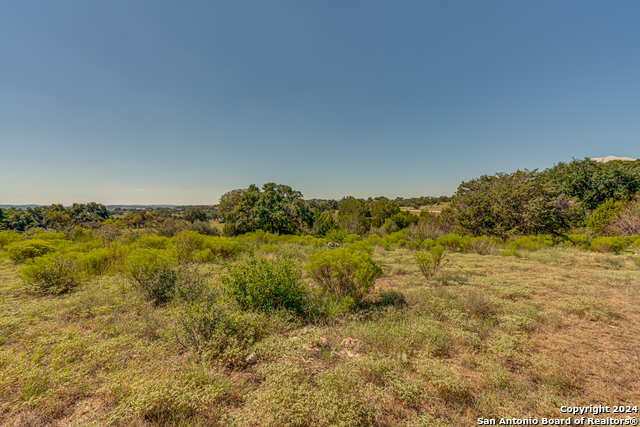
[
  {"x": 522, "y": 202},
  {"x": 193, "y": 214},
  {"x": 594, "y": 182},
  {"x": 276, "y": 209}
]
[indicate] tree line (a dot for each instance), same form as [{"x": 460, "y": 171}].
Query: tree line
[{"x": 581, "y": 193}]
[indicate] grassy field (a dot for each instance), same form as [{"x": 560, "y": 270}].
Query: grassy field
[
  {"x": 489, "y": 336},
  {"x": 429, "y": 208}
]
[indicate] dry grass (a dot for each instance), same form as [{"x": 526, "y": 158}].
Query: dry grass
[{"x": 489, "y": 336}]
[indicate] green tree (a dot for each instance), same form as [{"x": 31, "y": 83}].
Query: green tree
[
  {"x": 193, "y": 214},
  {"x": 522, "y": 202},
  {"x": 323, "y": 223},
  {"x": 18, "y": 220},
  {"x": 277, "y": 209},
  {"x": 383, "y": 210},
  {"x": 230, "y": 200},
  {"x": 594, "y": 182},
  {"x": 354, "y": 215}
]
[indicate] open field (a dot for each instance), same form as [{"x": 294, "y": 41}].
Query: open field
[
  {"x": 488, "y": 336},
  {"x": 428, "y": 208}
]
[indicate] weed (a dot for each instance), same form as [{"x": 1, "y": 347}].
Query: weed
[{"x": 431, "y": 262}]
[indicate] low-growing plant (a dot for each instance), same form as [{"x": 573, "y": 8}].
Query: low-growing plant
[
  {"x": 22, "y": 251},
  {"x": 577, "y": 239},
  {"x": 344, "y": 272},
  {"x": 154, "y": 273},
  {"x": 262, "y": 284},
  {"x": 53, "y": 274},
  {"x": 453, "y": 241},
  {"x": 220, "y": 329},
  {"x": 8, "y": 237},
  {"x": 608, "y": 244},
  {"x": 431, "y": 262}
]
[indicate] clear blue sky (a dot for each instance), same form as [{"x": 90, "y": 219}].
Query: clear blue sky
[{"x": 178, "y": 102}]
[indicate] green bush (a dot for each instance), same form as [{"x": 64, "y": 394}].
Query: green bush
[
  {"x": 97, "y": 261},
  {"x": 453, "y": 241},
  {"x": 608, "y": 244},
  {"x": 262, "y": 284},
  {"x": 431, "y": 262},
  {"x": 22, "y": 251},
  {"x": 269, "y": 249},
  {"x": 154, "y": 273},
  {"x": 151, "y": 241},
  {"x": 8, "y": 237},
  {"x": 81, "y": 235},
  {"x": 50, "y": 236},
  {"x": 350, "y": 238},
  {"x": 336, "y": 235},
  {"x": 52, "y": 274},
  {"x": 220, "y": 329},
  {"x": 577, "y": 239},
  {"x": 361, "y": 246},
  {"x": 344, "y": 272},
  {"x": 186, "y": 243},
  {"x": 603, "y": 215}
]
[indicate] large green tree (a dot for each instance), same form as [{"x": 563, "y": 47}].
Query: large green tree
[
  {"x": 354, "y": 215},
  {"x": 276, "y": 209},
  {"x": 594, "y": 182},
  {"x": 383, "y": 210},
  {"x": 522, "y": 202},
  {"x": 193, "y": 214}
]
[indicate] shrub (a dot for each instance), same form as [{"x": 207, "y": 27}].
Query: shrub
[
  {"x": 607, "y": 244},
  {"x": 28, "y": 249},
  {"x": 360, "y": 246},
  {"x": 344, "y": 272},
  {"x": 81, "y": 235},
  {"x": 222, "y": 247},
  {"x": 152, "y": 241},
  {"x": 603, "y": 215},
  {"x": 186, "y": 243},
  {"x": 262, "y": 284},
  {"x": 153, "y": 273},
  {"x": 453, "y": 241},
  {"x": 336, "y": 235},
  {"x": 97, "y": 261},
  {"x": 52, "y": 274},
  {"x": 8, "y": 237},
  {"x": 220, "y": 329},
  {"x": 577, "y": 239},
  {"x": 431, "y": 262}
]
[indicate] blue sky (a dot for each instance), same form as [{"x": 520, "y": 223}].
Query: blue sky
[{"x": 178, "y": 102}]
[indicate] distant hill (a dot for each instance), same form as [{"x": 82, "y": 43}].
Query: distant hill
[{"x": 610, "y": 158}]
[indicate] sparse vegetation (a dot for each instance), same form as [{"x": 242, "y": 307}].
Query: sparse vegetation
[{"x": 356, "y": 324}]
